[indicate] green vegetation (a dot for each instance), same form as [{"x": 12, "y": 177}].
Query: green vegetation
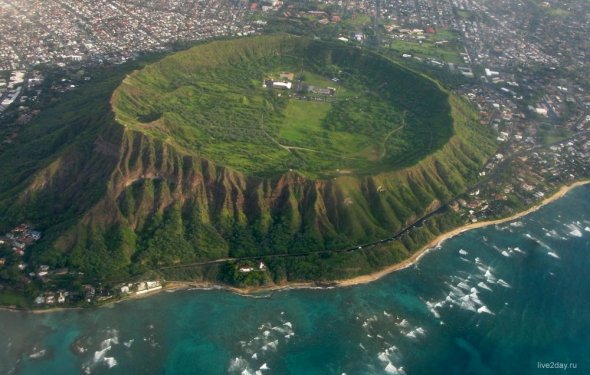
[
  {"x": 442, "y": 46},
  {"x": 160, "y": 183},
  {"x": 549, "y": 133},
  {"x": 558, "y": 12},
  {"x": 357, "y": 22},
  {"x": 222, "y": 112},
  {"x": 8, "y": 298}
]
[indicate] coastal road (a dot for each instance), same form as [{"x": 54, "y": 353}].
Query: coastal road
[
  {"x": 394, "y": 237},
  {"x": 418, "y": 223}
]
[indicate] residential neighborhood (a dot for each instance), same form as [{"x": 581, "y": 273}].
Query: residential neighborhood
[{"x": 539, "y": 113}]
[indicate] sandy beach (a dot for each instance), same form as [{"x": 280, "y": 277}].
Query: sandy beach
[
  {"x": 364, "y": 279},
  {"x": 445, "y": 236},
  {"x": 172, "y": 286}
]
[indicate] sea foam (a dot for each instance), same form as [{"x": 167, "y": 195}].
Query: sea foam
[
  {"x": 391, "y": 369},
  {"x": 484, "y": 309},
  {"x": 483, "y": 285},
  {"x": 575, "y": 231}
]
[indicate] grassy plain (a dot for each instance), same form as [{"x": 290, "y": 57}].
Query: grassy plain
[
  {"x": 448, "y": 51},
  {"x": 210, "y": 101}
]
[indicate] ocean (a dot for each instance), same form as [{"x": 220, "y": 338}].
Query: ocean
[{"x": 506, "y": 299}]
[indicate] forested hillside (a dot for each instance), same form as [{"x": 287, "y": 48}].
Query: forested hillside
[{"x": 156, "y": 183}]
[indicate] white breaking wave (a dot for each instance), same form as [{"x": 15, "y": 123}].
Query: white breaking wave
[
  {"x": 503, "y": 283},
  {"x": 404, "y": 323},
  {"x": 239, "y": 365},
  {"x": 432, "y": 307},
  {"x": 129, "y": 343},
  {"x": 110, "y": 361},
  {"x": 490, "y": 279},
  {"x": 36, "y": 355},
  {"x": 484, "y": 309},
  {"x": 463, "y": 285},
  {"x": 519, "y": 250},
  {"x": 463, "y": 252},
  {"x": 100, "y": 356},
  {"x": 575, "y": 231},
  {"x": 271, "y": 345},
  {"x": 474, "y": 297},
  {"x": 483, "y": 285},
  {"x": 389, "y": 356},
  {"x": 554, "y": 255},
  {"x": 391, "y": 369},
  {"x": 467, "y": 304},
  {"x": 543, "y": 244},
  {"x": 553, "y": 234}
]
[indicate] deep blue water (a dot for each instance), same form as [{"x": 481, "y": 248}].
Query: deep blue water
[{"x": 497, "y": 300}]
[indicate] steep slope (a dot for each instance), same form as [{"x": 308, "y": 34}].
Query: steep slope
[{"x": 116, "y": 201}]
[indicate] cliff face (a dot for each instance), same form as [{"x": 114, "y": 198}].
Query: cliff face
[
  {"x": 163, "y": 207},
  {"x": 114, "y": 201}
]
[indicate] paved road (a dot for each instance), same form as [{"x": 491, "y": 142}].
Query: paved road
[{"x": 416, "y": 224}]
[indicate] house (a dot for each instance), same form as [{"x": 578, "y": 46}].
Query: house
[
  {"x": 147, "y": 286},
  {"x": 322, "y": 90},
  {"x": 36, "y": 235},
  {"x": 282, "y": 85},
  {"x": 61, "y": 271},
  {"x": 271, "y": 84}
]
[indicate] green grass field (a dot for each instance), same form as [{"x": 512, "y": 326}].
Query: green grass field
[
  {"x": 8, "y": 298},
  {"x": 448, "y": 52},
  {"x": 210, "y": 101}
]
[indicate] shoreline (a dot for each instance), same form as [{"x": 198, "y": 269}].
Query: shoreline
[
  {"x": 364, "y": 279},
  {"x": 173, "y": 286}
]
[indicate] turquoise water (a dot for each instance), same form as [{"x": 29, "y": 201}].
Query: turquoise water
[{"x": 492, "y": 301}]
